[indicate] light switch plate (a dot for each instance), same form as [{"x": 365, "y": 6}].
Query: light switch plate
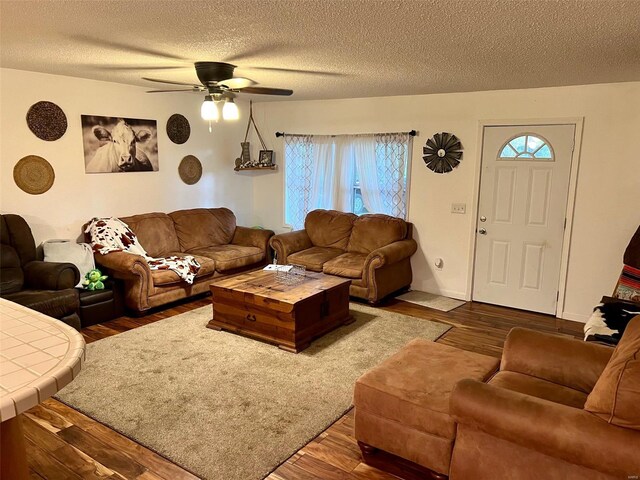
[{"x": 459, "y": 208}]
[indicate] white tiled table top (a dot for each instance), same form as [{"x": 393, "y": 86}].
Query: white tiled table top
[{"x": 39, "y": 355}]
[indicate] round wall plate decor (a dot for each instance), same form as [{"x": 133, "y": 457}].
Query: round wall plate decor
[
  {"x": 190, "y": 170},
  {"x": 47, "y": 121},
  {"x": 33, "y": 174},
  {"x": 442, "y": 152},
  {"x": 178, "y": 128}
]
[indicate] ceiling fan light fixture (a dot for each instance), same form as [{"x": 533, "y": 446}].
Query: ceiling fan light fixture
[
  {"x": 230, "y": 110},
  {"x": 209, "y": 110}
]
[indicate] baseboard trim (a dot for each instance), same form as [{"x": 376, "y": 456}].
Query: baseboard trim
[{"x": 575, "y": 317}]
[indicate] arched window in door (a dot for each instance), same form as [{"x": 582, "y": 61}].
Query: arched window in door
[{"x": 525, "y": 146}]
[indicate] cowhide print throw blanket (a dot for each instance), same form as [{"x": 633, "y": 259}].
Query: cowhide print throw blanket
[
  {"x": 113, "y": 235},
  {"x": 609, "y": 320}
]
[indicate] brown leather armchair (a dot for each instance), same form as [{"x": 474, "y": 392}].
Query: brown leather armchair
[
  {"x": 47, "y": 287},
  {"x": 557, "y": 409}
]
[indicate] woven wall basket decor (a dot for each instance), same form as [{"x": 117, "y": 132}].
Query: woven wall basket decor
[
  {"x": 33, "y": 174},
  {"x": 178, "y": 128},
  {"x": 47, "y": 121},
  {"x": 190, "y": 170}
]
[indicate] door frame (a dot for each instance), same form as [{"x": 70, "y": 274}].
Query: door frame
[{"x": 578, "y": 122}]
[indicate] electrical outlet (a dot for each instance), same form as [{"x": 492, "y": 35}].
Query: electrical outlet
[{"x": 459, "y": 208}]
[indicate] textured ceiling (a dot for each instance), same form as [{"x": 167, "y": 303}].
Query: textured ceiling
[{"x": 356, "y": 48}]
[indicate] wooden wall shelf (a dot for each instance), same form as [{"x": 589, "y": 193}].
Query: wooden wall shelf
[{"x": 273, "y": 167}]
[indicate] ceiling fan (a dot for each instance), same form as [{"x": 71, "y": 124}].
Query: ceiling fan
[{"x": 219, "y": 84}]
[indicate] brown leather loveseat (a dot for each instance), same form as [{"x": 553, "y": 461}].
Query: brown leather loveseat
[
  {"x": 209, "y": 234},
  {"x": 373, "y": 250},
  {"x": 47, "y": 287}
]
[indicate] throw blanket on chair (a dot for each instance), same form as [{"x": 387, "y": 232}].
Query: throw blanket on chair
[
  {"x": 113, "y": 235},
  {"x": 609, "y": 320}
]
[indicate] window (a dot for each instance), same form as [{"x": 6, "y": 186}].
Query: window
[
  {"x": 527, "y": 146},
  {"x": 358, "y": 204},
  {"x": 357, "y": 173}
]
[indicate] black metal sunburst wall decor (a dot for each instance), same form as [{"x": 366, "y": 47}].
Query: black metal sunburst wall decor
[{"x": 442, "y": 152}]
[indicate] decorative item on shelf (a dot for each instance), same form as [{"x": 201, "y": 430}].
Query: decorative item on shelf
[
  {"x": 190, "y": 170},
  {"x": 178, "y": 128},
  {"x": 47, "y": 121},
  {"x": 94, "y": 279},
  {"x": 442, "y": 152},
  {"x": 33, "y": 174},
  {"x": 265, "y": 157}
]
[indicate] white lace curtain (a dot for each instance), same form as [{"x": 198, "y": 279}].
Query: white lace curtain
[{"x": 320, "y": 172}]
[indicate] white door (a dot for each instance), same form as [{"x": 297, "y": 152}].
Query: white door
[{"x": 521, "y": 218}]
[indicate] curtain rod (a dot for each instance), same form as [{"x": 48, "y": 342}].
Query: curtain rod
[{"x": 413, "y": 133}]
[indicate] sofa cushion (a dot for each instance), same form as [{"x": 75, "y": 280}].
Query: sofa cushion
[
  {"x": 315, "y": 257},
  {"x": 537, "y": 387},
  {"x": 155, "y": 232},
  {"x": 348, "y": 265},
  {"x": 55, "y": 303},
  {"x": 167, "y": 277},
  {"x": 373, "y": 231},
  {"x": 16, "y": 232},
  {"x": 329, "y": 228},
  {"x": 11, "y": 274},
  {"x": 230, "y": 257},
  {"x": 204, "y": 227},
  {"x": 616, "y": 395}
]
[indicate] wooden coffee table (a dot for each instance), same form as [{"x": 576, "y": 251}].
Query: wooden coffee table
[{"x": 260, "y": 306}]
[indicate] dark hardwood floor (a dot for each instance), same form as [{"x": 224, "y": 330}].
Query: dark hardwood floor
[{"x": 65, "y": 444}]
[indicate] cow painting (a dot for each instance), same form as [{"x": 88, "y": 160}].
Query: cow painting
[{"x": 119, "y": 145}]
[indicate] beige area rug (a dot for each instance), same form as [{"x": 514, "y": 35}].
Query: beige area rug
[
  {"x": 225, "y": 406},
  {"x": 430, "y": 300}
]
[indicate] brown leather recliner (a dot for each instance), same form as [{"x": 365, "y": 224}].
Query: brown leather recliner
[
  {"x": 557, "y": 409},
  {"x": 47, "y": 287}
]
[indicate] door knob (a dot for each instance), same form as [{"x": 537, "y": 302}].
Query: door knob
[
  {"x": 482, "y": 231},
  {"x": 483, "y": 218}
]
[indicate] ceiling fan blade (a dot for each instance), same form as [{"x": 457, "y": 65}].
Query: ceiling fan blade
[
  {"x": 294, "y": 70},
  {"x": 236, "y": 83},
  {"x": 125, "y": 68},
  {"x": 267, "y": 91},
  {"x": 177, "y": 90},
  {"x": 170, "y": 82}
]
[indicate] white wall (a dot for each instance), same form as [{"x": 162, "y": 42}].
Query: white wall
[
  {"x": 75, "y": 196},
  {"x": 608, "y": 191}
]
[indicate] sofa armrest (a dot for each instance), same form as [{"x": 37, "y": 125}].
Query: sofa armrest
[
  {"x": 553, "y": 429},
  {"x": 566, "y": 361},
  {"x": 123, "y": 264},
  {"x": 41, "y": 275},
  {"x": 291, "y": 242},
  {"x": 252, "y": 237},
  {"x": 390, "y": 254},
  {"x": 136, "y": 274}
]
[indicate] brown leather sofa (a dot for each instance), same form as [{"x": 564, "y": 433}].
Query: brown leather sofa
[
  {"x": 47, "y": 287},
  {"x": 373, "y": 250},
  {"x": 209, "y": 234},
  {"x": 558, "y": 408}
]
